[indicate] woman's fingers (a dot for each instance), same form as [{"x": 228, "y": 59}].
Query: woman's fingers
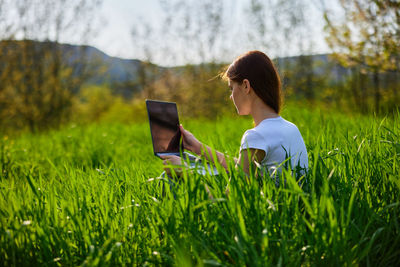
[
  {"x": 189, "y": 141},
  {"x": 171, "y": 160},
  {"x": 165, "y": 159},
  {"x": 184, "y": 132},
  {"x": 185, "y": 137}
]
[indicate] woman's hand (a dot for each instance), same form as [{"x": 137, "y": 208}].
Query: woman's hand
[
  {"x": 172, "y": 160},
  {"x": 190, "y": 142}
]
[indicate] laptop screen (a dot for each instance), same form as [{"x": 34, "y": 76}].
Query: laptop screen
[{"x": 164, "y": 126}]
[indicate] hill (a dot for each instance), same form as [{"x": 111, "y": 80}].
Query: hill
[{"x": 127, "y": 76}]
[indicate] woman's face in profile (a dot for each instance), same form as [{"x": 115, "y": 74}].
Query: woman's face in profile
[{"x": 237, "y": 96}]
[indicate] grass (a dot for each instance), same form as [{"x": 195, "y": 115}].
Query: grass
[{"x": 90, "y": 196}]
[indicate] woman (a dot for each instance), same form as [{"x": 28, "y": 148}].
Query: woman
[{"x": 256, "y": 91}]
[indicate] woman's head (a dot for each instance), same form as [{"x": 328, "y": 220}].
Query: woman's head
[{"x": 262, "y": 76}]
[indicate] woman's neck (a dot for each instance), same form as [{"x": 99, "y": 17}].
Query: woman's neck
[{"x": 260, "y": 111}]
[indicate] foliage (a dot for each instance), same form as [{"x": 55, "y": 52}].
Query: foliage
[
  {"x": 33, "y": 89},
  {"x": 367, "y": 38},
  {"x": 197, "y": 89},
  {"x": 40, "y": 85},
  {"x": 37, "y": 81},
  {"x": 98, "y": 104},
  {"x": 88, "y": 196}
]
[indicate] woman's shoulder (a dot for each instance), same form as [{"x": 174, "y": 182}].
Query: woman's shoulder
[
  {"x": 276, "y": 130},
  {"x": 275, "y": 124},
  {"x": 253, "y": 132}
]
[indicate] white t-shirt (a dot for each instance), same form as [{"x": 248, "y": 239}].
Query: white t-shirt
[{"x": 279, "y": 139}]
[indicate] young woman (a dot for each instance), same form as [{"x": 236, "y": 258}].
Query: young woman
[{"x": 256, "y": 91}]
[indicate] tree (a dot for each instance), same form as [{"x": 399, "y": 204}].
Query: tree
[
  {"x": 196, "y": 28},
  {"x": 368, "y": 37},
  {"x": 38, "y": 75},
  {"x": 210, "y": 33}
]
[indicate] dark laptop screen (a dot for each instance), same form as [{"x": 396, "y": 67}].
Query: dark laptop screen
[{"x": 164, "y": 126}]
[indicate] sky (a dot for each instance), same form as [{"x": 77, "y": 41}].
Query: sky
[{"x": 118, "y": 17}]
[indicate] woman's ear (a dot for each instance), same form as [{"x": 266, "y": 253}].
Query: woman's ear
[{"x": 246, "y": 86}]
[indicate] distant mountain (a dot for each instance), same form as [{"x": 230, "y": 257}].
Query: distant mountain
[
  {"x": 116, "y": 70},
  {"x": 98, "y": 68},
  {"x": 124, "y": 76},
  {"x": 322, "y": 64}
]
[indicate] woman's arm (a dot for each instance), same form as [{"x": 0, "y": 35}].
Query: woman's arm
[
  {"x": 192, "y": 144},
  {"x": 175, "y": 161},
  {"x": 249, "y": 156},
  {"x": 244, "y": 162},
  {"x": 207, "y": 152}
]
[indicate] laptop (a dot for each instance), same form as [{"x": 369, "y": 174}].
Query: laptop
[{"x": 166, "y": 135}]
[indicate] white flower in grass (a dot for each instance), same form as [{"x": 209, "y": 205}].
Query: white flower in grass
[
  {"x": 265, "y": 231},
  {"x": 100, "y": 171},
  {"x": 26, "y": 223},
  {"x": 121, "y": 208},
  {"x": 271, "y": 205},
  {"x": 133, "y": 201},
  {"x": 118, "y": 244},
  {"x": 156, "y": 253}
]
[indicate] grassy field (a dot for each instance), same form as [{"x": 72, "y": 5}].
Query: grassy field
[{"x": 89, "y": 195}]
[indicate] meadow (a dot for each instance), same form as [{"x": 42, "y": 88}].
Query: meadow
[{"x": 92, "y": 196}]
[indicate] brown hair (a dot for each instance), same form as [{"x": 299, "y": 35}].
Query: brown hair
[{"x": 258, "y": 69}]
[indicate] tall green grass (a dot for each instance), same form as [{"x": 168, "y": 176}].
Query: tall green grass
[{"x": 92, "y": 196}]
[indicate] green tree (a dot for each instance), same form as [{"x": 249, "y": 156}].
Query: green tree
[
  {"x": 197, "y": 31},
  {"x": 38, "y": 75},
  {"x": 368, "y": 37}
]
